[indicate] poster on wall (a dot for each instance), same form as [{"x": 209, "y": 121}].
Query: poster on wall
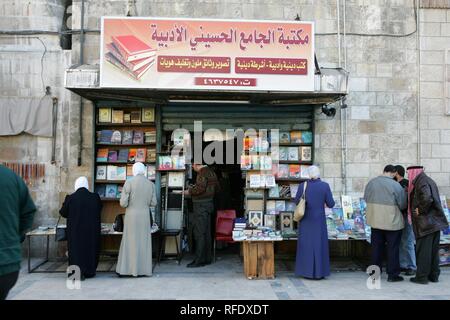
[{"x": 195, "y": 54}]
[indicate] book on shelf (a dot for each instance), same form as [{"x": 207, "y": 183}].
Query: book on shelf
[
  {"x": 112, "y": 156},
  {"x": 274, "y": 192},
  {"x": 164, "y": 163},
  {"x": 293, "y": 189},
  {"x": 270, "y": 221},
  {"x": 132, "y": 48},
  {"x": 263, "y": 180},
  {"x": 137, "y": 74},
  {"x": 151, "y": 172},
  {"x": 294, "y": 171},
  {"x": 293, "y": 154},
  {"x": 111, "y": 172},
  {"x": 285, "y": 137},
  {"x": 135, "y": 116},
  {"x": 265, "y": 163},
  {"x": 131, "y": 65},
  {"x": 307, "y": 137},
  {"x": 117, "y": 116},
  {"x": 102, "y": 155},
  {"x": 290, "y": 206},
  {"x": 132, "y": 155},
  {"x": 347, "y": 206},
  {"x": 270, "y": 181},
  {"x": 275, "y": 169},
  {"x": 101, "y": 173},
  {"x": 123, "y": 155},
  {"x": 138, "y": 137},
  {"x": 151, "y": 155},
  {"x": 255, "y": 180},
  {"x": 246, "y": 143},
  {"x": 306, "y": 154},
  {"x": 111, "y": 191},
  {"x": 283, "y": 171},
  {"x": 121, "y": 173},
  {"x": 255, "y": 162},
  {"x": 104, "y": 115},
  {"x": 274, "y": 137},
  {"x": 150, "y": 137},
  {"x": 255, "y": 204},
  {"x": 148, "y": 114},
  {"x": 296, "y": 137},
  {"x": 126, "y": 116},
  {"x": 178, "y": 162},
  {"x": 304, "y": 171},
  {"x": 116, "y": 137},
  {"x": 283, "y": 153},
  {"x": 129, "y": 171},
  {"x": 176, "y": 179},
  {"x": 127, "y": 137},
  {"x": 140, "y": 155},
  {"x": 280, "y": 205},
  {"x": 275, "y": 153},
  {"x": 285, "y": 191},
  {"x": 271, "y": 207},
  {"x": 119, "y": 192},
  {"x": 101, "y": 190},
  {"x": 254, "y": 193},
  {"x": 105, "y": 136},
  {"x": 263, "y": 145},
  {"x": 246, "y": 162},
  {"x": 181, "y": 138}
]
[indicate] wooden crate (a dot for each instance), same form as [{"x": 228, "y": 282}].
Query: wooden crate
[{"x": 259, "y": 259}]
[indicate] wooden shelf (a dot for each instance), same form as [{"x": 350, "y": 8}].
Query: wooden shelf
[
  {"x": 125, "y": 145},
  {"x": 110, "y": 124}
]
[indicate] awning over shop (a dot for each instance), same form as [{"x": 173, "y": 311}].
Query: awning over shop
[{"x": 331, "y": 86}]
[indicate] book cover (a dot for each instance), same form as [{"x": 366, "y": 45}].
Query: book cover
[
  {"x": 104, "y": 115},
  {"x": 121, "y": 173},
  {"x": 246, "y": 143},
  {"x": 127, "y": 137},
  {"x": 275, "y": 153},
  {"x": 270, "y": 207},
  {"x": 255, "y": 218},
  {"x": 129, "y": 171},
  {"x": 293, "y": 154},
  {"x": 255, "y": 162},
  {"x": 176, "y": 179},
  {"x": 293, "y": 189},
  {"x": 307, "y": 137},
  {"x": 132, "y": 48},
  {"x": 112, "y": 156},
  {"x": 151, "y": 155},
  {"x": 101, "y": 190},
  {"x": 135, "y": 116},
  {"x": 266, "y": 163},
  {"x": 284, "y": 153},
  {"x": 347, "y": 206},
  {"x": 101, "y": 173},
  {"x": 123, "y": 155},
  {"x": 131, "y": 65},
  {"x": 246, "y": 162},
  {"x": 126, "y": 117},
  {"x": 274, "y": 137},
  {"x": 165, "y": 163},
  {"x": 119, "y": 191},
  {"x": 150, "y": 137},
  {"x": 102, "y": 155},
  {"x": 274, "y": 192},
  {"x": 105, "y": 136},
  {"x": 304, "y": 172},
  {"x": 290, "y": 206},
  {"x": 285, "y": 137},
  {"x": 255, "y": 180},
  {"x": 98, "y": 136},
  {"x": 270, "y": 221},
  {"x": 111, "y": 191},
  {"x": 264, "y": 145},
  {"x": 296, "y": 137},
  {"x": 111, "y": 172},
  {"x": 117, "y": 116},
  {"x": 132, "y": 155},
  {"x": 255, "y": 204},
  {"x": 140, "y": 155},
  {"x": 280, "y": 205},
  {"x": 270, "y": 181},
  {"x": 285, "y": 191},
  {"x": 148, "y": 115},
  {"x": 138, "y": 137},
  {"x": 306, "y": 154},
  {"x": 253, "y": 144},
  {"x": 283, "y": 171},
  {"x": 116, "y": 137},
  {"x": 151, "y": 172},
  {"x": 134, "y": 74},
  {"x": 294, "y": 171},
  {"x": 178, "y": 162},
  {"x": 275, "y": 169}
]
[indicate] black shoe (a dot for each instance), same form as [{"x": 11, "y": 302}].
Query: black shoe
[
  {"x": 191, "y": 264},
  {"x": 395, "y": 279},
  {"x": 415, "y": 280},
  {"x": 409, "y": 272},
  {"x": 434, "y": 280},
  {"x": 195, "y": 265}
]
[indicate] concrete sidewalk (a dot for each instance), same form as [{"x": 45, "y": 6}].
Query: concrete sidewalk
[{"x": 224, "y": 280}]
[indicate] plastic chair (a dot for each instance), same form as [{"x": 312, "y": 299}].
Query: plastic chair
[{"x": 224, "y": 227}]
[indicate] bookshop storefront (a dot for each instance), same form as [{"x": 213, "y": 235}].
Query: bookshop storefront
[{"x": 240, "y": 95}]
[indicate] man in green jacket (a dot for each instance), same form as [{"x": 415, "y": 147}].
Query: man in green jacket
[{"x": 16, "y": 216}]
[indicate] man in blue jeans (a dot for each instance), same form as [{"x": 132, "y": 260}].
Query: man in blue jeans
[{"x": 407, "y": 250}]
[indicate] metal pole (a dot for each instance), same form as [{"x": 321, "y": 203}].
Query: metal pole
[{"x": 80, "y": 122}]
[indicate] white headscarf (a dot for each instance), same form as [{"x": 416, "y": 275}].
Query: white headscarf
[
  {"x": 81, "y": 182},
  {"x": 138, "y": 168},
  {"x": 314, "y": 172}
]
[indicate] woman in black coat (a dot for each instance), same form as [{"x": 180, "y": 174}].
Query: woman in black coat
[{"x": 82, "y": 210}]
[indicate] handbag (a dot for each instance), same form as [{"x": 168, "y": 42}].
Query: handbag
[
  {"x": 118, "y": 223},
  {"x": 300, "y": 208},
  {"x": 61, "y": 232}
]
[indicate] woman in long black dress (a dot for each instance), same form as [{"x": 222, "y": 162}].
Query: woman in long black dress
[{"x": 82, "y": 210}]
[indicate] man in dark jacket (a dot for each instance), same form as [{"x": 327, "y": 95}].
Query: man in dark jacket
[
  {"x": 202, "y": 194},
  {"x": 428, "y": 220},
  {"x": 16, "y": 217}
]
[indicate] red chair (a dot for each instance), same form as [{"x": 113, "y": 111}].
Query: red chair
[{"x": 224, "y": 227}]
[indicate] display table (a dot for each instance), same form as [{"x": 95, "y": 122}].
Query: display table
[
  {"x": 107, "y": 230},
  {"x": 259, "y": 259}
]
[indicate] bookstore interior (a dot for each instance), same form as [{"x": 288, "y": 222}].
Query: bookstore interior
[{"x": 265, "y": 158}]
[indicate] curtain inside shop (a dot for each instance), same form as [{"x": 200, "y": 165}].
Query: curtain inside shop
[{"x": 30, "y": 115}]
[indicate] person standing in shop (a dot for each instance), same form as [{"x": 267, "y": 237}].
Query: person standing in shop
[
  {"x": 17, "y": 211},
  {"x": 82, "y": 209},
  {"x": 407, "y": 251},
  {"x": 202, "y": 194},
  {"x": 138, "y": 195},
  {"x": 428, "y": 220},
  {"x": 385, "y": 200}
]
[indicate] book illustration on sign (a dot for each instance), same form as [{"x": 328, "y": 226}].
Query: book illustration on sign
[{"x": 131, "y": 55}]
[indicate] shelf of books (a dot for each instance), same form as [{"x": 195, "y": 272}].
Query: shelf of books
[
  {"x": 273, "y": 167},
  {"x": 125, "y": 134}
]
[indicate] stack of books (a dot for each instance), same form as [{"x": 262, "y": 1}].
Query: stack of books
[{"x": 130, "y": 55}]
